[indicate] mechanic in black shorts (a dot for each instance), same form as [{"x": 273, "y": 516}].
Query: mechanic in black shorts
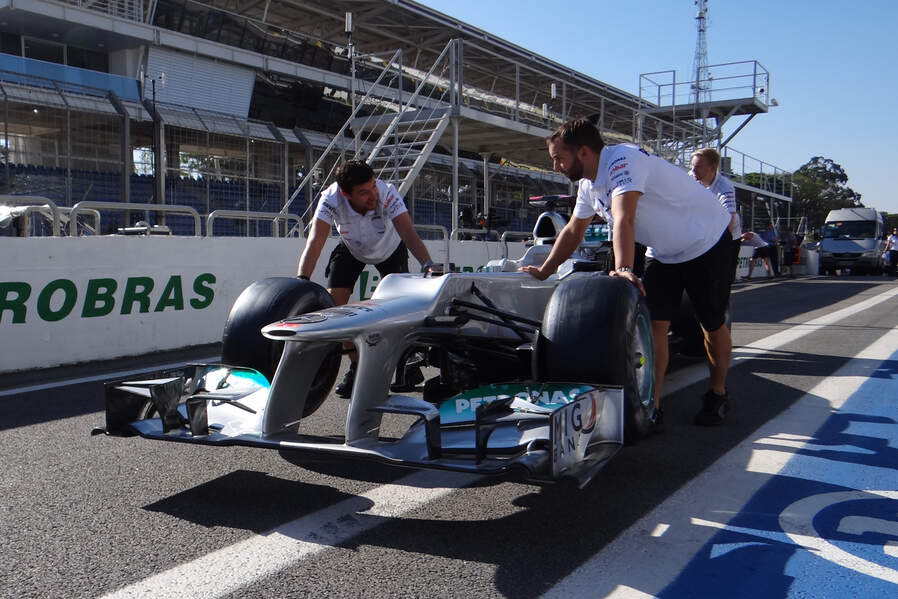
[
  {"x": 683, "y": 225},
  {"x": 374, "y": 227}
]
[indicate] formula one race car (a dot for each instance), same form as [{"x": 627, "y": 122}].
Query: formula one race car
[{"x": 548, "y": 378}]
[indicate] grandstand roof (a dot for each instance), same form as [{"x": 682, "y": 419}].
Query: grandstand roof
[
  {"x": 490, "y": 63},
  {"x": 421, "y": 32}
]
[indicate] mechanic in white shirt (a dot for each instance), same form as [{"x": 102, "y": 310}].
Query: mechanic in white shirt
[
  {"x": 374, "y": 228},
  {"x": 705, "y": 168},
  {"x": 681, "y": 222},
  {"x": 892, "y": 250},
  {"x": 761, "y": 251}
]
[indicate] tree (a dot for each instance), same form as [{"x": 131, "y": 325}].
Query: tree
[{"x": 820, "y": 186}]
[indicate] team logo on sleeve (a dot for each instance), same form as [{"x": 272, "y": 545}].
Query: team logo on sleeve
[{"x": 620, "y": 174}]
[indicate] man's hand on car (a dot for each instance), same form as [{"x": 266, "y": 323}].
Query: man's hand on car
[
  {"x": 536, "y": 272},
  {"x": 431, "y": 267}
]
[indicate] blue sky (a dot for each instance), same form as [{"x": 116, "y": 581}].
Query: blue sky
[{"x": 833, "y": 67}]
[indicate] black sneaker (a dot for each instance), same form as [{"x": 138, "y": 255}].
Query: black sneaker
[
  {"x": 658, "y": 421},
  {"x": 344, "y": 389},
  {"x": 714, "y": 409}
]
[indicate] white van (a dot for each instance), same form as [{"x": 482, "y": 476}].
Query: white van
[{"x": 853, "y": 238}]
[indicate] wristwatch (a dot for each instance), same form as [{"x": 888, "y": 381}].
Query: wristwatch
[{"x": 624, "y": 269}]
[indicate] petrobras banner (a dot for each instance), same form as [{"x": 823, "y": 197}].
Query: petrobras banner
[{"x": 67, "y": 300}]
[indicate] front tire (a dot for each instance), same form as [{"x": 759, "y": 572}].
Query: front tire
[
  {"x": 267, "y": 301},
  {"x": 597, "y": 329}
]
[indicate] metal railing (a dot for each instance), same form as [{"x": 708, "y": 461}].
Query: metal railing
[
  {"x": 754, "y": 172},
  {"x": 484, "y": 232},
  {"x": 35, "y": 201},
  {"x": 83, "y": 206},
  {"x": 259, "y": 216},
  {"x": 445, "y": 234},
  {"x": 506, "y": 237},
  {"x": 125, "y": 9},
  {"x": 726, "y": 81},
  {"x": 59, "y": 216}
]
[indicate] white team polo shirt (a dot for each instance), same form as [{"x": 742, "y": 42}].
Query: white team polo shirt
[
  {"x": 726, "y": 193},
  {"x": 677, "y": 218},
  {"x": 370, "y": 237},
  {"x": 755, "y": 241}
]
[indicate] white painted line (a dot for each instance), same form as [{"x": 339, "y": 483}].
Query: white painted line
[
  {"x": 891, "y": 549},
  {"x": 102, "y": 377},
  {"x": 660, "y": 529},
  {"x": 684, "y": 377},
  {"x": 226, "y": 570},
  {"x": 794, "y": 333},
  {"x": 702, "y": 507}
]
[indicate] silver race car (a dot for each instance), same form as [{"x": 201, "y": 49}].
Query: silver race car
[{"x": 546, "y": 378}]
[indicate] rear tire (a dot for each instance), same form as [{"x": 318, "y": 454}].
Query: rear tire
[
  {"x": 263, "y": 303},
  {"x": 597, "y": 329}
]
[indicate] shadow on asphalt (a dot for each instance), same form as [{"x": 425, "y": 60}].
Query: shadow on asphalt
[
  {"x": 782, "y": 302},
  {"x": 249, "y": 500},
  {"x": 565, "y": 527}
]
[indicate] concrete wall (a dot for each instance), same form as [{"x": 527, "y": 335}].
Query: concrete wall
[{"x": 67, "y": 300}]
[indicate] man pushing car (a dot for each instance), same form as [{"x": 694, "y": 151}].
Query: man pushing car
[
  {"x": 684, "y": 226},
  {"x": 374, "y": 228}
]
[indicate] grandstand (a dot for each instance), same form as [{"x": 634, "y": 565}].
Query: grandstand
[{"x": 247, "y": 106}]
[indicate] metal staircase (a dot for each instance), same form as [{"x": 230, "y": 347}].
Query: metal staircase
[
  {"x": 402, "y": 152},
  {"x": 396, "y": 136}
]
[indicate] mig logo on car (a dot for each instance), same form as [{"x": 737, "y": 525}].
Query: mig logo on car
[{"x": 585, "y": 423}]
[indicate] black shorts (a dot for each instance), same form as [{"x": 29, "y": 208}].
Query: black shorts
[
  {"x": 734, "y": 259},
  {"x": 706, "y": 279},
  {"x": 762, "y": 252},
  {"x": 343, "y": 269}
]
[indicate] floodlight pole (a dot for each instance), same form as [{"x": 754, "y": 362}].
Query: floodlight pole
[
  {"x": 351, "y": 49},
  {"x": 158, "y": 182}
]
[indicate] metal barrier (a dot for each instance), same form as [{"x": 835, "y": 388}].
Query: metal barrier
[
  {"x": 34, "y": 201},
  {"x": 241, "y": 214},
  {"x": 484, "y": 232},
  {"x": 65, "y": 215},
  {"x": 86, "y": 205},
  {"x": 439, "y": 229},
  {"x": 523, "y": 235}
]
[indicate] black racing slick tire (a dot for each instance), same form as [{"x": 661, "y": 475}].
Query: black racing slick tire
[
  {"x": 263, "y": 303},
  {"x": 597, "y": 329}
]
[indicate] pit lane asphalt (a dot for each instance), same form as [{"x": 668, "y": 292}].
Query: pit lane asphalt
[{"x": 84, "y": 516}]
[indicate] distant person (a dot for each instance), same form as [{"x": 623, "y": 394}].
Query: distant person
[
  {"x": 374, "y": 228},
  {"x": 761, "y": 252},
  {"x": 705, "y": 168},
  {"x": 892, "y": 251},
  {"x": 769, "y": 235},
  {"x": 790, "y": 245},
  {"x": 681, "y": 222}
]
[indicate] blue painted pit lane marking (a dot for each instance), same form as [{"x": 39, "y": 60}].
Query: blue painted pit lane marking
[
  {"x": 719, "y": 526},
  {"x": 826, "y": 525}
]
